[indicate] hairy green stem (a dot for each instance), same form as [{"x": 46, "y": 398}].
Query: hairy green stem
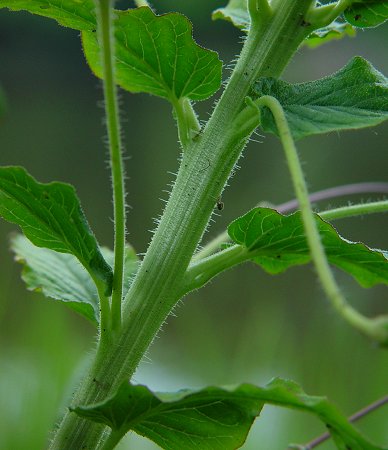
[
  {"x": 374, "y": 328},
  {"x": 325, "y": 14},
  {"x": 259, "y": 11},
  {"x": 355, "y": 210},
  {"x": 202, "y": 271},
  {"x": 187, "y": 122},
  {"x": 204, "y": 170},
  {"x": 105, "y": 28},
  {"x": 105, "y": 313}
]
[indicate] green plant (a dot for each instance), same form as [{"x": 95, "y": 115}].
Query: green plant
[{"x": 156, "y": 54}]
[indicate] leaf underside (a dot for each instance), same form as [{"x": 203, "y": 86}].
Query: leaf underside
[
  {"x": 278, "y": 242},
  {"x": 367, "y": 13},
  {"x": 212, "y": 418},
  {"x": 336, "y": 30},
  {"x": 50, "y": 216},
  {"x": 354, "y": 97},
  {"x": 61, "y": 277},
  {"x": 77, "y": 14},
  {"x": 236, "y": 12},
  {"x": 157, "y": 54}
]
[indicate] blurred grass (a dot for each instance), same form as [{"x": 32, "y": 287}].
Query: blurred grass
[{"x": 245, "y": 326}]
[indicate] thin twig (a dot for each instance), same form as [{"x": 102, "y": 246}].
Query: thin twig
[
  {"x": 335, "y": 192},
  {"x": 357, "y": 416}
]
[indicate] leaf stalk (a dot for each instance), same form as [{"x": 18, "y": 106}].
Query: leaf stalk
[
  {"x": 187, "y": 122},
  {"x": 376, "y": 328},
  {"x": 322, "y": 16}
]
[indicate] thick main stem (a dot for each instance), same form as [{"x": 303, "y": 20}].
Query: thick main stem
[{"x": 203, "y": 172}]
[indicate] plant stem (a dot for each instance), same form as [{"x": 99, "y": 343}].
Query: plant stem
[
  {"x": 113, "y": 439},
  {"x": 204, "y": 170},
  {"x": 357, "y": 416},
  {"x": 202, "y": 271},
  {"x": 374, "y": 328},
  {"x": 355, "y": 210},
  {"x": 105, "y": 313},
  {"x": 105, "y": 28},
  {"x": 259, "y": 11},
  {"x": 209, "y": 262},
  {"x": 325, "y": 14},
  {"x": 338, "y": 191},
  {"x": 188, "y": 125},
  {"x": 331, "y": 214}
]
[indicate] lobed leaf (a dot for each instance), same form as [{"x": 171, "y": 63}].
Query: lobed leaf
[
  {"x": 157, "y": 54},
  {"x": 354, "y": 97},
  {"x": 367, "y": 13},
  {"x": 50, "y": 216},
  {"x": 61, "y": 277},
  {"x": 278, "y": 242},
  {"x": 212, "y": 418},
  {"x": 209, "y": 419},
  {"x": 77, "y": 14},
  {"x": 236, "y": 12}
]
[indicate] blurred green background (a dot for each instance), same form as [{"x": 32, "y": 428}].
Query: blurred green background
[{"x": 245, "y": 326}]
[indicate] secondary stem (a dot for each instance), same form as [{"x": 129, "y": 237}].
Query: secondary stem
[
  {"x": 187, "y": 122},
  {"x": 104, "y": 13},
  {"x": 374, "y": 328}
]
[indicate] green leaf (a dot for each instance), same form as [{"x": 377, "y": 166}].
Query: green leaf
[
  {"x": 367, "y": 13},
  {"x": 77, "y": 14},
  {"x": 236, "y": 12},
  {"x": 209, "y": 419},
  {"x": 50, "y": 216},
  {"x": 278, "y": 242},
  {"x": 336, "y": 30},
  {"x": 157, "y": 55},
  {"x": 354, "y": 97},
  {"x": 57, "y": 275},
  {"x": 212, "y": 418},
  {"x": 61, "y": 277}
]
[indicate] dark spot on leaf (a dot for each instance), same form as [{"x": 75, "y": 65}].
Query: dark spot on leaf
[
  {"x": 305, "y": 24},
  {"x": 46, "y": 195},
  {"x": 44, "y": 6},
  {"x": 278, "y": 256},
  {"x": 357, "y": 17}
]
